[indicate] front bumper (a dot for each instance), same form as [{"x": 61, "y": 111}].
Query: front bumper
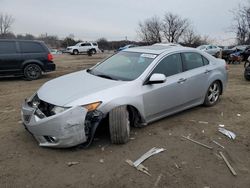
[{"x": 62, "y": 130}]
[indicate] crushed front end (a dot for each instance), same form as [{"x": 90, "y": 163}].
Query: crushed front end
[{"x": 59, "y": 127}]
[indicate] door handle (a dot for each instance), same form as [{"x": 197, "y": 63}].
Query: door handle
[
  {"x": 182, "y": 80},
  {"x": 207, "y": 71}
]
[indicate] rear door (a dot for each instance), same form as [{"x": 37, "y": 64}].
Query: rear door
[
  {"x": 10, "y": 58},
  {"x": 196, "y": 72},
  {"x": 32, "y": 50},
  {"x": 85, "y": 47},
  {"x": 165, "y": 98}
]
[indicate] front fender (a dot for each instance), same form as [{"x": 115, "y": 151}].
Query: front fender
[{"x": 136, "y": 102}]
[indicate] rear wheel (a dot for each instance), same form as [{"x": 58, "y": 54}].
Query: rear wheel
[
  {"x": 119, "y": 125},
  {"x": 75, "y": 52},
  {"x": 32, "y": 72},
  {"x": 213, "y": 94}
]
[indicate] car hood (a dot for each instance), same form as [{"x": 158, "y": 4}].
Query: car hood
[{"x": 66, "y": 89}]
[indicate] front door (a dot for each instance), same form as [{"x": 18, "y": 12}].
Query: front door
[{"x": 165, "y": 98}]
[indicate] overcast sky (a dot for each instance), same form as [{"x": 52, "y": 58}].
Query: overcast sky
[{"x": 115, "y": 19}]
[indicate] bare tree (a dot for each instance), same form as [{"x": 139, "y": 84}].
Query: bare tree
[
  {"x": 241, "y": 23},
  {"x": 6, "y": 22},
  {"x": 150, "y": 30},
  {"x": 174, "y": 27}
]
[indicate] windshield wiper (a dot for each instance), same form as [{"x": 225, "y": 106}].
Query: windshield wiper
[{"x": 105, "y": 76}]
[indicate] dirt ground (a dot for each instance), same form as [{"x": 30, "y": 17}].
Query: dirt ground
[{"x": 184, "y": 164}]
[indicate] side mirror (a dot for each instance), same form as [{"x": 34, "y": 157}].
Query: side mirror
[{"x": 157, "y": 78}]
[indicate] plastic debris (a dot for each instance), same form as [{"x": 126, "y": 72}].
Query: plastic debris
[
  {"x": 228, "y": 164},
  {"x": 238, "y": 115},
  {"x": 140, "y": 167},
  {"x": 218, "y": 144},
  {"x": 148, "y": 154},
  {"x": 137, "y": 164},
  {"x": 206, "y": 146},
  {"x": 72, "y": 163},
  {"x": 158, "y": 180},
  {"x": 101, "y": 160},
  {"x": 228, "y": 133},
  {"x": 221, "y": 125},
  {"x": 203, "y": 122}
]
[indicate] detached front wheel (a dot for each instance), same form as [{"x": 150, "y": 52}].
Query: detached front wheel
[
  {"x": 213, "y": 94},
  {"x": 119, "y": 125}
]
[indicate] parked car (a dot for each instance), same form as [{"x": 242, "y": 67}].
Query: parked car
[
  {"x": 211, "y": 49},
  {"x": 55, "y": 51},
  {"x": 134, "y": 87},
  {"x": 83, "y": 47},
  {"x": 247, "y": 69},
  {"x": 25, "y": 57},
  {"x": 126, "y": 47},
  {"x": 245, "y": 53}
]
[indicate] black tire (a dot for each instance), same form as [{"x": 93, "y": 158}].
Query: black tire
[
  {"x": 75, "y": 52},
  {"x": 246, "y": 74},
  {"x": 32, "y": 72},
  {"x": 213, "y": 94},
  {"x": 119, "y": 125},
  {"x": 91, "y": 52}
]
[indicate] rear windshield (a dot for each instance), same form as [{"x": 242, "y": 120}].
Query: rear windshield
[
  {"x": 7, "y": 47},
  {"x": 31, "y": 47}
]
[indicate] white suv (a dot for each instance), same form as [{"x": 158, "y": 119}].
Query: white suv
[{"x": 83, "y": 47}]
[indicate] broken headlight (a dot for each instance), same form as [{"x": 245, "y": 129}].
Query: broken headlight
[
  {"x": 58, "y": 109},
  {"x": 34, "y": 101}
]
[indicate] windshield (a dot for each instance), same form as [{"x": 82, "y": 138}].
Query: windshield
[
  {"x": 124, "y": 66},
  {"x": 201, "y": 47}
]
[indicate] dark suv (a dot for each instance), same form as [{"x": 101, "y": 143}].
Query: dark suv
[{"x": 25, "y": 57}]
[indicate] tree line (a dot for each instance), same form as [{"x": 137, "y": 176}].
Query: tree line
[{"x": 172, "y": 29}]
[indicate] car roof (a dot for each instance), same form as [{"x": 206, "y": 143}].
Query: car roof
[
  {"x": 156, "y": 49},
  {"x": 18, "y": 40}
]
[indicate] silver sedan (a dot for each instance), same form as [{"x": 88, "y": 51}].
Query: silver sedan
[{"x": 131, "y": 88}]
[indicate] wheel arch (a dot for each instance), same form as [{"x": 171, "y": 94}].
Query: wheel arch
[{"x": 40, "y": 64}]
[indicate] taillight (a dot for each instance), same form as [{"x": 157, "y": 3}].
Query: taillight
[{"x": 50, "y": 57}]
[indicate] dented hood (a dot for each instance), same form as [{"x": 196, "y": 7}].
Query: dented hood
[{"x": 71, "y": 87}]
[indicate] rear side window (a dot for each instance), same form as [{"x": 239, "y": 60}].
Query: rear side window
[
  {"x": 170, "y": 65},
  {"x": 85, "y": 44},
  {"x": 94, "y": 44},
  {"x": 205, "y": 61},
  {"x": 192, "y": 60},
  {"x": 7, "y": 47},
  {"x": 31, "y": 47}
]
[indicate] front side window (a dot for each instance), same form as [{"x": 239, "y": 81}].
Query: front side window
[
  {"x": 31, "y": 47},
  {"x": 170, "y": 65},
  {"x": 124, "y": 66},
  {"x": 191, "y": 60},
  {"x": 7, "y": 47}
]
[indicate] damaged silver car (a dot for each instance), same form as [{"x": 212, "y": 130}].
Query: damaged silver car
[{"x": 131, "y": 88}]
